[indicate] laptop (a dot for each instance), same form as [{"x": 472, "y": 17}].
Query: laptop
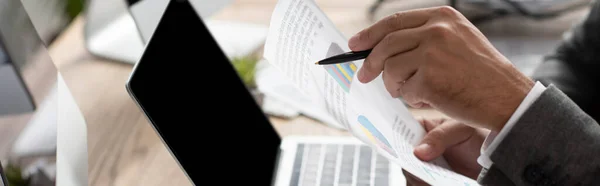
[{"x": 212, "y": 126}]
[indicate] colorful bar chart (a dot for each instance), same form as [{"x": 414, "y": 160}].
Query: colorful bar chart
[
  {"x": 342, "y": 73},
  {"x": 375, "y": 136}
]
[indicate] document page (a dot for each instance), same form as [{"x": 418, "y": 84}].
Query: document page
[{"x": 301, "y": 34}]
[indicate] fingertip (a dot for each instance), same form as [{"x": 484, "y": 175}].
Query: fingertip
[
  {"x": 427, "y": 151},
  {"x": 353, "y": 42},
  {"x": 367, "y": 79},
  {"x": 366, "y": 76},
  {"x": 363, "y": 75},
  {"x": 424, "y": 152}
]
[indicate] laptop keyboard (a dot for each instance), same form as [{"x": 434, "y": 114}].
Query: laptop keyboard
[{"x": 339, "y": 165}]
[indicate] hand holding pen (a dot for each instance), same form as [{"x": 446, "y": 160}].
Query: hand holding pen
[{"x": 436, "y": 57}]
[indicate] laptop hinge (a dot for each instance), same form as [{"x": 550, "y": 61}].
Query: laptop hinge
[{"x": 276, "y": 168}]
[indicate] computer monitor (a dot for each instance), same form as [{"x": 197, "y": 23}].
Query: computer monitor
[
  {"x": 28, "y": 79},
  {"x": 15, "y": 97},
  {"x": 27, "y": 72}
]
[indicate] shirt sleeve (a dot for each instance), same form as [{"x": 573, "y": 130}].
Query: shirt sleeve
[{"x": 494, "y": 138}]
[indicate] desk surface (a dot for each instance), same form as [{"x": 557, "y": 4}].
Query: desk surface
[{"x": 123, "y": 149}]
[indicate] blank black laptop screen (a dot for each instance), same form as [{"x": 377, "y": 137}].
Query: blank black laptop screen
[{"x": 199, "y": 106}]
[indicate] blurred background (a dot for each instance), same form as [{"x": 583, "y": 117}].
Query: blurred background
[
  {"x": 95, "y": 43},
  {"x": 31, "y": 92}
]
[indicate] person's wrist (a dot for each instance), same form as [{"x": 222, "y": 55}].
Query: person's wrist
[{"x": 521, "y": 85}]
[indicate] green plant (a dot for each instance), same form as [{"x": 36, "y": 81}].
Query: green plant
[
  {"x": 14, "y": 176},
  {"x": 246, "y": 69},
  {"x": 74, "y": 7}
]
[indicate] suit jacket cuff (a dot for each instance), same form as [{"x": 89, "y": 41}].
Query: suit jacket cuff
[
  {"x": 494, "y": 138},
  {"x": 553, "y": 143}
]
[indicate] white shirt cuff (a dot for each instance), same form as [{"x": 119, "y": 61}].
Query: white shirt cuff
[{"x": 493, "y": 139}]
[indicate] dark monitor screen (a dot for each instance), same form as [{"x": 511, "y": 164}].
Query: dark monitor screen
[
  {"x": 14, "y": 94},
  {"x": 198, "y": 105}
]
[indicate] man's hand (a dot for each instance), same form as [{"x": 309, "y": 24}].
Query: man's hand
[
  {"x": 436, "y": 57},
  {"x": 458, "y": 143}
]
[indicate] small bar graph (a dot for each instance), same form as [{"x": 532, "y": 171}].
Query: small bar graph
[
  {"x": 375, "y": 136},
  {"x": 342, "y": 73}
]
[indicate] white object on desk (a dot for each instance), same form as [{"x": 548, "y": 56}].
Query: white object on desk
[
  {"x": 71, "y": 152},
  {"x": 274, "y": 85},
  {"x": 119, "y": 41},
  {"x": 58, "y": 128},
  {"x": 274, "y": 107},
  {"x": 124, "y": 38},
  {"x": 39, "y": 135},
  {"x": 237, "y": 39}
]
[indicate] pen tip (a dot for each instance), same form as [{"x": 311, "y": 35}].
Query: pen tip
[{"x": 316, "y": 63}]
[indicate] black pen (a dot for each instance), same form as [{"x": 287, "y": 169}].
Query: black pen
[{"x": 345, "y": 57}]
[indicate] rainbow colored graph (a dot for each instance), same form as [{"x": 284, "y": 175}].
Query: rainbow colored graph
[
  {"x": 375, "y": 136},
  {"x": 342, "y": 73}
]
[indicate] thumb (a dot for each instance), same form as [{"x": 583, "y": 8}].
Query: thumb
[
  {"x": 369, "y": 70},
  {"x": 446, "y": 135}
]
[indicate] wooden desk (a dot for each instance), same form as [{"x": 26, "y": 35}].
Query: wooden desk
[{"x": 122, "y": 146}]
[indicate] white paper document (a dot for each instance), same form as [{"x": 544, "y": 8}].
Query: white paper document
[
  {"x": 277, "y": 87},
  {"x": 301, "y": 34}
]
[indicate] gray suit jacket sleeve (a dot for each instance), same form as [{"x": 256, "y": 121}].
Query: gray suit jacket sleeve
[
  {"x": 553, "y": 143},
  {"x": 573, "y": 66}
]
